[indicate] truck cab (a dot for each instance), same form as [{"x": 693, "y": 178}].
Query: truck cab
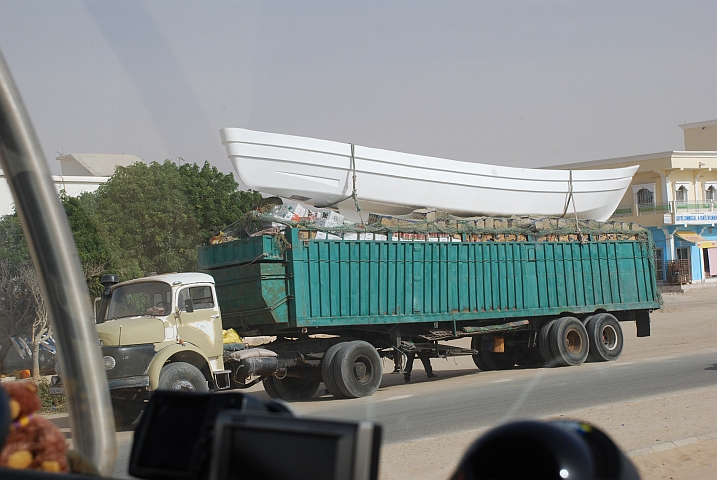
[{"x": 160, "y": 332}]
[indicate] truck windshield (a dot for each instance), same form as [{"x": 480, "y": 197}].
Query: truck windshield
[{"x": 138, "y": 299}]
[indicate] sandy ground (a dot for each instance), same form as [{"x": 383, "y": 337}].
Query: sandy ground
[{"x": 667, "y": 437}]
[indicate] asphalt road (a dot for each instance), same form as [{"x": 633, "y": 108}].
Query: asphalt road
[
  {"x": 465, "y": 399},
  {"x": 476, "y": 400}
]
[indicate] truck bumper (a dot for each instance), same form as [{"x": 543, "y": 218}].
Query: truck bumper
[
  {"x": 139, "y": 381},
  {"x": 129, "y": 382}
]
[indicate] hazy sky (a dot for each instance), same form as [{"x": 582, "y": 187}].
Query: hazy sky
[{"x": 522, "y": 83}]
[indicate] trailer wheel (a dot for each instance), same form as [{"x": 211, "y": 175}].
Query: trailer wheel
[
  {"x": 569, "y": 341},
  {"x": 478, "y": 358},
  {"x": 530, "y": 357},
  {"x": 544, "y": 343},
  {"x": 327, "y": 370},
  {"x": 181, "y": 376},
  {"x": 126, "y": 412},
  {"x": 500, "y": 361},
  {"x": 358, "y": 369},
  {"x": 605, "y": 336},
  {"x": 291, "y": 388},
  {"x": 270, "y": 388}
]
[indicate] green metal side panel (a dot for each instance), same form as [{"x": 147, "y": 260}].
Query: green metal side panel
[
  {"x": 358, "y": 282},
  {"x": 252, "y": 295},
  {"x": 348, "y": 282},
  {"x": 245, "y": 250}
]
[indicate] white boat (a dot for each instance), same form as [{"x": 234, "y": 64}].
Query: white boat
[{"x": 320, "y": 172}]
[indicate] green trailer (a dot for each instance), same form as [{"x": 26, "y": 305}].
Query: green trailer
[{"x": 337, "y": 305}]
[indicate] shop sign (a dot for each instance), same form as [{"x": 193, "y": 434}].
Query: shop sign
[{"x": 695, "y": 218}]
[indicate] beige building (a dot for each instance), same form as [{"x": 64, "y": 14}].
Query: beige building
[{"x": 674, "y": 194}]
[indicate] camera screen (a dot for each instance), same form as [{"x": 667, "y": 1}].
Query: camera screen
[
  {"x": 254, "y": 455},
  {"x": 270, "y": 447}
]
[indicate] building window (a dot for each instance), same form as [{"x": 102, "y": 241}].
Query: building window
[
  {"x": 645, "y": 197},
  {"x": 681, "y": 196},
  {"x": 659, "y": 265},
  {"x": 710, "y": 194},
  {"x": 683, "y": 253}
]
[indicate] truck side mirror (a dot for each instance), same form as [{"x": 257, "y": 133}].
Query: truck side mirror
[{"x": 189, "y": 305}]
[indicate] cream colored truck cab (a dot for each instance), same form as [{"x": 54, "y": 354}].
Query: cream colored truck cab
[{"x": 160, "y": 332}]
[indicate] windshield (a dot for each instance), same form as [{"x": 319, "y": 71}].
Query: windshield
[
  {"x": 137, "y": 299},
  {"x": 465, "y": 317}
]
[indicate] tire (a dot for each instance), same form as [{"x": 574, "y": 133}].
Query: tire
[
  {"x": 605, "y": 337},
  {"x": 183, "y": 377},
  {"x": 126, "y": 412},
  {"x": 544, "y": 343},
  {"x": 270, "y": 387},
  {"x": 478, "y": 359},
  {"x": 569, "y": 341},
  {"x": 357, "y": 369},
  {"x": 292, "y": 388},
  {"x": 327, "y": 370},
  {"x": 500, "y": 361}
]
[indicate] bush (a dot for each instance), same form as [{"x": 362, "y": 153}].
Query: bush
[{"x": 50, "y": 403}]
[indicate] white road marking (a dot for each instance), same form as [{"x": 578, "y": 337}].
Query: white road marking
[
  {"x": 501, "y": 380},
  {"x": 397, "y": 397}
]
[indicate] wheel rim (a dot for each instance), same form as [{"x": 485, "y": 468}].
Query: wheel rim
[
  {"x": 362, "y": 370},
  {"x": 182, "y": 385},
  {"x": 609, "y": 337},
  {"x": 574, "y": 341}
]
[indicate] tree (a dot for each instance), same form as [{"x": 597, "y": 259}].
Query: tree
[
  {"x": 214, "y": 197},
  {"x": 91, "y": 247},
  {"x": 145, "y": 220},
  {"x": 39, "y": 327},
  {"x": 12, "y": 240},
  {"x": 17, "y": 308}
]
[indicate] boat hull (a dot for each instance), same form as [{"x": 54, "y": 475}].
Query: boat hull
[{"x": 320, "y": 172}]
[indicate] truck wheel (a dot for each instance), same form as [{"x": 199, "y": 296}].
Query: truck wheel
[
  {"x": 270, "y": 387},
  {"x": 569, "y": 341},
  {"x": 327, "y": 370},
  {"x": 499, "y": 361},
  {"x": 180, "y": 376},
  {"x": 476, "y": 341},
  {"x": 530, "y": 357},
  {"x": 126, "y": 412},
  {"x": 544, "y": 343},
  {"x": 291, "y": 388},
  {"x": 605, "y": 337},
  {"x": 358, "y": 370}
]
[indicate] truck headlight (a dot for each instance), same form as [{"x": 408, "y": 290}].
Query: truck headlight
[{"x": 109, "y": 362}]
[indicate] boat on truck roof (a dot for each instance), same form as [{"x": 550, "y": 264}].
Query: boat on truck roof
[{"x": 323, "y": 173}]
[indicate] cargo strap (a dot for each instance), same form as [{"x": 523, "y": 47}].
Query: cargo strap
[
  {"x": 570, "y": 198},
  {"x": 354, "y": 192}
]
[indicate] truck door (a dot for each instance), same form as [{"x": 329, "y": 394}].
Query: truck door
[{"x": 203, "y": 325}]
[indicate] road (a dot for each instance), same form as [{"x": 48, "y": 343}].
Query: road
[
  {"x": 680, "y": 356},
  {"x": 477, "y": 400}
]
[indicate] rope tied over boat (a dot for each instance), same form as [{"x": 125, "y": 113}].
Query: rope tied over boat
[
  {"x": 570, "y": 198},
  {"x": 354, "y": 192}
]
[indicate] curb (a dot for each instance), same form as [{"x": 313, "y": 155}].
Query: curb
[{"x": 664, "y": 446}]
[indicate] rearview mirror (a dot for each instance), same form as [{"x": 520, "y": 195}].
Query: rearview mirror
[{"x": 189, "y": 305}]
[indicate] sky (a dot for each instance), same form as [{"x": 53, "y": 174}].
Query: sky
[{"x": 520, "y": 83}]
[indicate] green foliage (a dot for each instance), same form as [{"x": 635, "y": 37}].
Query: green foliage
[
  {"x": 12, "y": 240},
  {"x": 214, "y": 197},
  {"x": 145, "y": 219},
  {"x": 91, "y": 248},
  {"x": 50, "y": 403}
]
